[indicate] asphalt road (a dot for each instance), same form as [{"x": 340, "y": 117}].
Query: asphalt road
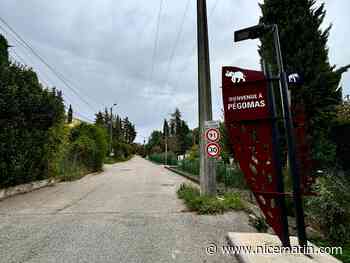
[{"x": 129, "y": 213}]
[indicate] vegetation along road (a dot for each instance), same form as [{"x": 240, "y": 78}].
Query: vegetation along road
[{"x": 128, "y": 213}]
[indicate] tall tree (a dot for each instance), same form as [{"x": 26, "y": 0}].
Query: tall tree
[
  {"x": 176, "y": 121},
  {"x": 304, "y": 50},
  {"x": 99, "y": 119},
  {"x": 70, "y": 114},
  {"x": 166, "y": 128},
  {"x": 4, "y": 54}
]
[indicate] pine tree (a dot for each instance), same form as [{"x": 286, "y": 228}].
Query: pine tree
[
  {"x": 304, "y": 50},
  {"x": 70, "y": 114},
  {"x": 176, "y": 121}
]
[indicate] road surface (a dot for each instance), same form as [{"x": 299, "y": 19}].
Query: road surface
[{"x": 128, "y": 213}]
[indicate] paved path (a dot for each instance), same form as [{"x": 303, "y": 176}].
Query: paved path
[{"x": 129, "y": 213}]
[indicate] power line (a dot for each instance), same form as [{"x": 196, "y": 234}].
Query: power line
[
  {"x": 177, "y": 39},
  {"x": 54, "y": 71},
  {"x": 23, "y": 61},
  {"x": 211, "y": 13},
  {"x": 83, "y": 117},
  {"x": 156, "y": 39}
]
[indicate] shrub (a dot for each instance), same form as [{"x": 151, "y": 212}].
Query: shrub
[
  {"x": 89, "y": 143},
  {"x": 122, "y": 150},
  {"x": 160, "y": 158},
  {"x": 330, "y": 209}
]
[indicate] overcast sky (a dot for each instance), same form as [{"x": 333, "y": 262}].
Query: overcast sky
[{"x": 107, "y": 49}]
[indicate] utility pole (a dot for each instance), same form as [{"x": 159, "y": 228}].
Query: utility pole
[
  {"x": 166, "y": 149},
  {"x": 111, "y": 131},
  {"x": 207, "y": 165}
]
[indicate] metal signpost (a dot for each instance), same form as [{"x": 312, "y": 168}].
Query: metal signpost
[{"x": 250, "y": 115}]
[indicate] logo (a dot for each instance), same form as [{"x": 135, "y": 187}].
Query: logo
[
  {"x": 236, "y": 77},
  {"x": 293, "y": 78}
]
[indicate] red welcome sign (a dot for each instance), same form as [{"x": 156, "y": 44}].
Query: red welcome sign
[
  {"x": 247, "y": 118},
  {"x": 244, "y": 94}
]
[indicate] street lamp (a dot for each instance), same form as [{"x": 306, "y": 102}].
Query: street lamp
[
  {"x": 253, "y": 33},
  {"x": 111, "y": 131}
]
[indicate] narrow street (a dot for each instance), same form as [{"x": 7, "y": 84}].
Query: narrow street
[{"x": 128, "y": 213}]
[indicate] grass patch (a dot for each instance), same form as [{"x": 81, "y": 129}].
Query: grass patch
[{"x": 208, "y": 204}]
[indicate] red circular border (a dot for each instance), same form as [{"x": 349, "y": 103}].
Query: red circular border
[
  {"x": 217, "y": 145},
  {"x": 213, "y": 129}
]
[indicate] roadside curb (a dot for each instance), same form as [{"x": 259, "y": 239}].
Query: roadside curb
[
  {"x": 184, "y": 174},
  {"x": 25, "y": 188}
]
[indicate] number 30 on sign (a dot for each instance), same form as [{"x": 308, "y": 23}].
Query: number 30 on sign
[{"x": 213, "y": 149}]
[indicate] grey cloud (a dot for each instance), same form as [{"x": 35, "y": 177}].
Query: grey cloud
[{"x": 105, "y": 49}]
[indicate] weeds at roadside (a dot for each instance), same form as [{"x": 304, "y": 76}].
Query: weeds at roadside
[{"x": 208, "y": 204}]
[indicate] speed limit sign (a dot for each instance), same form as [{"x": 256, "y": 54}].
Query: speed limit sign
[
  {"x": 212, "y": 135},
  {"x": 213, "y": 149}
]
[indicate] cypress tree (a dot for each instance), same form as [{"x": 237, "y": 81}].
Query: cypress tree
[
  {"x": 166, "y": 128},
  {"x": 304, "y": 50},
  {"x": 70, "y": 114},
  {"x": 4, "y": 55}
]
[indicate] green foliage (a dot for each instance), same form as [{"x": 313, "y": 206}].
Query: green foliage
[
  {"x": 344, "y": 257},
  {"x": 226, "y": 147},
  {"x": 122, "y": 129},
  {"x": 208, "y": 204},
  {"x": 29, "y": 117},
  {"x": 307, "y": 54},
  {"x": 227, "y": 174},
  {"x": 160, "y": 158},
  {"x": 122, "y": 150},
  {"x": 83, "y": 150},
  {"x": 330, "y": 209},
  {"x": 230, "y": 175},
  {"x": 155, "y": 140},
  {"x": 89, "y": 142},
  {"x": 176, "y": 136},
  {"x": 190, "y": 166},
  {"x": 193, "y": 153},
  {"x": 4, "y": 55},
  {"x": 340, "y": 137}
]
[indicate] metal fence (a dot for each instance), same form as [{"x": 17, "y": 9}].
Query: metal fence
[{"x": 227, "y": 174}]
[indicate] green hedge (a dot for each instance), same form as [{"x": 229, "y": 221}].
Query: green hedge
[
  {"x": 29, "y": 114},
  {"x": 82, "y": 151},
  {"x": 160, "y": 158}
]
